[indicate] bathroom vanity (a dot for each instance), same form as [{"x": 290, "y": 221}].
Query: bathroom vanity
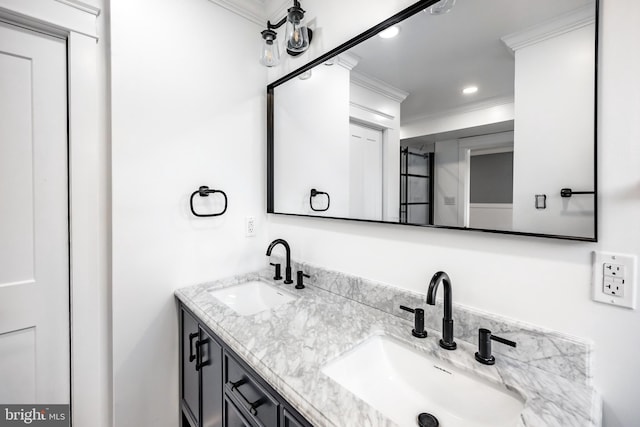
[
  {"x": 321, "y": 355},
  {"x": 218, "y": 388}
]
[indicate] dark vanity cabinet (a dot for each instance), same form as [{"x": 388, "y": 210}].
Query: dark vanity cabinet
[
  {"x": 217, "y": 388},
  {"x": 201, "y": 373}
]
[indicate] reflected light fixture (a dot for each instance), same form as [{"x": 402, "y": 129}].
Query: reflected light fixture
[
  {"x": 390, "y": 32},
  {"x": 297, "y": 36},
  {"x": 442, "y": 7},
  {"x": 470, "y": 90}
]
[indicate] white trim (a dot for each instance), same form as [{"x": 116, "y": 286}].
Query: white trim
[
  {"x": 492, "y": 150},
  {"x": 482, "y": 105},
  {"x": 80, "y": 5},
  {"x": 378, "y": 86},
  {"x": 502, "y": 140},
  {"x": 371, "y": 110},
  {"x": 88, "y": 201},
  {"x": 252, "y": 10},
  {"x": 50, "y": 13},
  {"x": 347, "y": 60},
  {"x": 278, "y": 12},
  {"x": 554, "y": 27},
  {"x": 491, "y": 205}
]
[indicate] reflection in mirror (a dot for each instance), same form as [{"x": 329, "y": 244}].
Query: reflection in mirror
[{"x": 460, "y": 119}]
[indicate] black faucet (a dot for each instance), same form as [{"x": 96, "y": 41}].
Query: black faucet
[
  {"x": 287, "y": 271},
  {"x": 447, "y": 341}
]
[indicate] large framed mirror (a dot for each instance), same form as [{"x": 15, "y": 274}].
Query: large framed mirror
[{"x": 469, "y": 114}]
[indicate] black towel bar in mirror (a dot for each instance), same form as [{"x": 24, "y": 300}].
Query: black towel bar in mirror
[
  {"x": 315, "y": 193},
  {"x": 567, "y": 192},
  {"x": 204, "y": 191}
]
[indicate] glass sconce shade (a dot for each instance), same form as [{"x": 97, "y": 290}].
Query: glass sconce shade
[
  {"x": 297, "y": 36},
  {"x": 269, "y": 52},
  {"x": 296, "y": 33}
]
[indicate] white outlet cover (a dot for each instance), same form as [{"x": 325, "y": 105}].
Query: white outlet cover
[
  {"x": 250, "y": 226},
  {"x": 628, "y": 298}
]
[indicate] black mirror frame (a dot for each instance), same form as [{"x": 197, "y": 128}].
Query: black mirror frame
[{"x": 395, "y": 19}]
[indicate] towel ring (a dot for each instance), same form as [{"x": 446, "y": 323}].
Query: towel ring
[
  {"x": 204, "y": 191},
  {"x": 313, "y": 194}
]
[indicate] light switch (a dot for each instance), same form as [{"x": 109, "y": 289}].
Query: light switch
[{"x": 614, "y": 279}]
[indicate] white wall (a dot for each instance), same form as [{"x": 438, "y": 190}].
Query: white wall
[
  {"x": 188, "y": 109},
  {"x": 502, "y": 274},
  {"x": 447, "y": 184},
  {"x": 557, "y": 68},
  {"x": 319, "y": 160}
]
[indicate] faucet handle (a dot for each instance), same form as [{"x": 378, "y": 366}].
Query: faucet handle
[
  {"x": 418, "y": 327},
  {"x": 278, "y": 274},
  {"x": 300, "y": 279},
  {"x": 483, "y": 355}
]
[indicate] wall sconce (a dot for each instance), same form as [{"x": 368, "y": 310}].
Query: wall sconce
[{"x": 297, "y": 36}]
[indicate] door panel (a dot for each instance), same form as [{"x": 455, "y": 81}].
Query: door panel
[
  {"x": 16, "y": 171},
  {"x": 211, "y": 359},
  {"x": 18, "y": 356},
  {"x": 190, "y": 378},
  {"x": 34, "y": 235},
  {"x": 365, "y": 173}
]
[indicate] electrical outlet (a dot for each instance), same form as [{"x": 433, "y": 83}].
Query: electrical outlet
[
  {"x": 613, "y": 270},
  {"x": 613, "y": 286},
  {"x": 614, "y": 279},
  {"x": 250, "y": 226}
]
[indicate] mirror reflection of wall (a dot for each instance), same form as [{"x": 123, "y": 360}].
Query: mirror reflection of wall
[{"x": 494, "y": 109}]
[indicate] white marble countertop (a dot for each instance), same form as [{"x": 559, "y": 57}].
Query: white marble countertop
[{"x": 289, "y": 345}]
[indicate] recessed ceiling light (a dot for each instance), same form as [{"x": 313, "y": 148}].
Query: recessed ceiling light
[
  {"x": 442, "y": 7},
  {"x": 390, "y": 32},
  {"x": 469, "y": 90}
]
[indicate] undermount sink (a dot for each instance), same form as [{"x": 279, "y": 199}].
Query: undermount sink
[
  {"x": 401, "y": 383},
  {"x": 251, "y": 297}
]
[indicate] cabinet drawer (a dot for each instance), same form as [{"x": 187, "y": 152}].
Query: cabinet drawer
[
  {"x": 233, "y": 417},
  {"x": 289, "y": 420},
  {"x": 253, "y": 400}
]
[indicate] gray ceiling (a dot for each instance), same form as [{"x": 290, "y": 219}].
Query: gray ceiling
[{"x": 434, "y": 57}]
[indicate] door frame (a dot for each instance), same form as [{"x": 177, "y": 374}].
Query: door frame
[
  {"x": 88, "y": 196},
  {"x": 498, "y": 140}
]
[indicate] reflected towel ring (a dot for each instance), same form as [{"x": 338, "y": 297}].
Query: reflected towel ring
[
  {"x": 313, "y": 194},
  {"x": 567, "y": 192},
  {"x": 204, "y": 191}
]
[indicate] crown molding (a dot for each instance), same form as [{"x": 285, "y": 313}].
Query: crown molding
[
  {"x": 61, "y": 16},
  {"x": 554, "y": 27},
  {"x": 371, "y": 110},
  {"x": 378, "y": 86},
  {"x": 83, "y": 6},
  {"x": 482, "y": 105},
  {"x": 347, "y": 60},
  {"x": 279, "y": 11},
  {"x": 252, "y": 10}
]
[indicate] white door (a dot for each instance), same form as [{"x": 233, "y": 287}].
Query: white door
[
  {"x": 365, "y": 173},
  {"x": 34, "y": 236}
]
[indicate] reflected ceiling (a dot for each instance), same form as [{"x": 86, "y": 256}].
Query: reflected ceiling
[{"x": 475, "y": 56}]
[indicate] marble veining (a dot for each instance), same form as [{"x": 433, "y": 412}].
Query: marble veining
[
  {"x": 548, "y": 350},
  {"x": 289, "y": 345}
]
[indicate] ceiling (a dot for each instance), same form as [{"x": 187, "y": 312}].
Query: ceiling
[{"x": 435, "y": 56}]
